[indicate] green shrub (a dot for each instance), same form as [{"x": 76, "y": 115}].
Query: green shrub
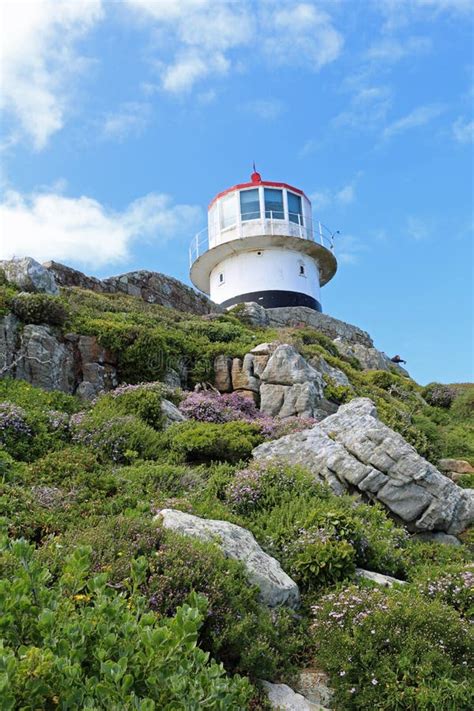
[
  {"x": 32, "y": 398},
  {"x": 318, "y": 559},
  {"x": 160, "y": 480},
  {"x": 263, "y": 486},
  {"x": 203, "y": 441},
  {"x": 114, "y": 543},
  {"x": 336, "y": 393},
  {"x": 238, "y": 630},
  {"x": 309, "y": 336},
  {"x": 463, "y": 405},
  {"x": 26, "y": 435},
  {"x": 466, "y": 481},
  {"x": 40, "y": 308},
  {"x": 120, "y": 439},
  {"x": 69, "y": 465},
  {"x": 394, "y": 651},
  {"x": 143, "y": 400},
  {"x": 438, "y": 395},
  {"x": 81, "y": 644}
]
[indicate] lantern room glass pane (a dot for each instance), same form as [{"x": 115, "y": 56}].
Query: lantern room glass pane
[
  {"x": 274, "y": 204},
  {"x": 295, "y": 213},
  {"x": 249, "y": 205},
  {"x": 228, "y": 212}
]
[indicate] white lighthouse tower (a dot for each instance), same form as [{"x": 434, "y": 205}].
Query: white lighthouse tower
[{"x": 261, "y": 245}]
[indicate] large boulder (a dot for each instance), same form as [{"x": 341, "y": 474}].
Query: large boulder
[
  {"x": 29, "y": 275},
  {"x": 289, "y": 385},
  {"x": 250, "y": 313},
  {"x": 283, "y": 698},
  {"x": 353, "y": 450},
  {"x": 44, "y": 360},
  {"x": 276, "y": 587}
]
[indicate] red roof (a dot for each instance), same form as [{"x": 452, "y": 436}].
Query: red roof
[{"x": 253, "y": 184}]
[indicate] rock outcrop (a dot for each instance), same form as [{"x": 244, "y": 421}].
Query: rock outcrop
[
  {"x": 29, "y": 275},
  {"x": 289, "y": 385},
  {"x": 368, "y": 356},
  {"x": 385, "y": 581},
  {"x": 153, "y": 287},
  {"x": 280, "y": 380},
  {"x": 353, "y": 450},
  {"x": 455, "y": 468},
  {"x": 276, "y": 587},
  {"x": 44, "y": 360},
  {"x": 283, "y": 698},
  {"x": 331, "y": 327}
]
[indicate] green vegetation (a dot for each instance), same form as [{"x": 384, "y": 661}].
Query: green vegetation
[{"x": 101, "y": 608}]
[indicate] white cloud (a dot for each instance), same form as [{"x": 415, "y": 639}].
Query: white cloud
[
  {"x": 392, "y": 50},
  {"x": 301, "y": 35},
  {"x": 368, "y": 108},
  {"x": 201, "y": 36},
  {"x": 463, "y": 131},
  {"x": 83, "y": 231},
  {"x": 131, "y": 118},
  {"x": 346, "y": 195},
  {"x": 401, "y": 12},
  {"x": 201, "y": 32},
  {"x": 191, "y": 66},
  {"x": 266, "y": 109},
  {"x": 417, "y": 228},
  {"x": 416, "y": 118},
  {"x": 39, "y": 60},
  {"x": 349, "y": 248}
]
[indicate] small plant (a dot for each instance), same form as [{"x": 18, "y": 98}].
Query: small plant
[
  {"x": 439, "y": 395},
  {"x": 205, "y": 442},
  {"x": 40, "y": 308},
  {"x": 393, "y": 650},
  {"x": 120, "y": 439},
  {"x": 79, "y": 643}
]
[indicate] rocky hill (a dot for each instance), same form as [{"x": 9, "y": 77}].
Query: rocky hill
[{"x": 258, "y": 488}]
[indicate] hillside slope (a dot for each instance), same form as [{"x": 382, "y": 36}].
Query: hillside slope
[{"x": 185, "y": 489}]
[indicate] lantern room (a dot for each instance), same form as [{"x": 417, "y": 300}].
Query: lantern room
[{"x": 262, "y": 245}]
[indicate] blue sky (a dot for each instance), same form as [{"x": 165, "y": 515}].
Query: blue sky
[{"x": 121, "y": 120}]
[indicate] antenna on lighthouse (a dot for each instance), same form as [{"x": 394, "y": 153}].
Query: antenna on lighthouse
[{"x": 255, "y": 177}]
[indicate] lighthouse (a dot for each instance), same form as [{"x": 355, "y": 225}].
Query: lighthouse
[{"x": 261, "y": 244}]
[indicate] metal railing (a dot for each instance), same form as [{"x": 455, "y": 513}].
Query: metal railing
[{"x": 271, "y": 224}]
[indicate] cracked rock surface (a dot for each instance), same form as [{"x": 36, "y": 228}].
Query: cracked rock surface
[
  {"x": 276, "y": 587},
  {"x": 354, "y": 450}
]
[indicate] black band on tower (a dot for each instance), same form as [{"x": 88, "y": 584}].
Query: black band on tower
[{"x": 275, "y": 299}]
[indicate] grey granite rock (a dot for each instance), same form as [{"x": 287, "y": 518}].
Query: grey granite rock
[
  {"x": 385, "y": 581},
  {"x": 276, "y": 587},
  {"x": 29, "y": 275},
  {"x": 250, "y": 313},
  {"x": 283, "y": 698},
  {"x": 44, "y": 360},
  {"x": 331, "y": 327},
  {"x": 171, "y": 413},
  {"x": 354, "y": 450}
]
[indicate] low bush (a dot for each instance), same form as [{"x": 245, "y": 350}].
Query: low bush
[
  {"x": 463, "y": 405},
  {"x": 81, "y": 644},
  {"x": 238, "y": 630},
  {"x": 394, "y": 650},
  {"x": 40, "y": 308},
  {"x": 455, "y": 589},
  {"x": 27, "y": 434},
  {"x": 438, "y": 395},
  {"x": 119, "y": 439},
  {"x": 205, "y": 442},
  {"x": 143, "y": 400}
]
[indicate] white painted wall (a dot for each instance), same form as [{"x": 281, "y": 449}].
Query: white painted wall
[{"x": 264, "y": 270}]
